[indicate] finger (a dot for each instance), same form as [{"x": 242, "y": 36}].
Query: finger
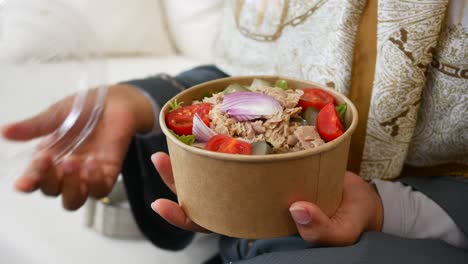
[
  {"x": 315, "y": 226},
  {"x": 74, "y": 190},
  {"x": 174, "y": 214},
  {"x": 36, "y": 126},
  {"x": 99, "y": 183},
  {"x": 51, "y": 182},
  {"x": 46, "y": 141},
  {"x": 31, "y": 177},
  {"x": 162, "y": 163}
]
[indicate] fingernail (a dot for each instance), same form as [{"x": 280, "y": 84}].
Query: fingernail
[
  {"x": 153, "y": 157},
  {"x": 153, "y": 206},
  {"x": 22, "y": 187},
  {"x": 2, "y": 130},
  {"x": 28, "y": 187},
  {"x": 300, "y": 215}
]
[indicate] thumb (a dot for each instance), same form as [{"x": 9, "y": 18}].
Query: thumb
[
  {"x": 316, "y": 227},
  {"x": 37, "y": 126}
]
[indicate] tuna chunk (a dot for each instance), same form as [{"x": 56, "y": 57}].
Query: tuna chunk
[
  {"x": 283, "y": 135},
  {"x": 215, "y": 99},
  {"x": 308, "y": 137},
  {"x": 292, "y": 140},
  {"x": 258, "y": 127}
]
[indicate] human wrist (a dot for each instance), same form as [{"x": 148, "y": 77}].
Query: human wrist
[
  {"x": 137, "y": 103},
  {"x": 376, "y": 220}
]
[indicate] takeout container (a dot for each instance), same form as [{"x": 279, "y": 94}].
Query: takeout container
[{"x": 249, "y": 196}]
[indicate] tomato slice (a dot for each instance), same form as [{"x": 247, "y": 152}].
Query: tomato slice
[
  {"x": 328, "y": 123},
  {"x": 225, "y": 144},
  {"x": 235, "y": 146},
  {"x": 216, "y": 141},
  {"x": 314, "y": 97},
  {"x": 181, "y": 120}
]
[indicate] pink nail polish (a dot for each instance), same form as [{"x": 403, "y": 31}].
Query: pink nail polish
[
  {"x": 153, "y": 157},
  {"x": 300, "y": 215},
  {"x": 153, "y": 206}
]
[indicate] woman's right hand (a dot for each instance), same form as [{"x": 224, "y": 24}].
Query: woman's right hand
[{"x": 93, "y": 168}]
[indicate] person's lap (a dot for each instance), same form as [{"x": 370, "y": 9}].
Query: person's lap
[{"x": 372, "y": 247}]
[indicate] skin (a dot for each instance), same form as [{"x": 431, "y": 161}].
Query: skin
[
  {"x": 94, "y": 167},
  {"x": 92, "y": 170}
]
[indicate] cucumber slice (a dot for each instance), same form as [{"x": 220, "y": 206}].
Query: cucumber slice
[
  {"x": 301, "y": 121},
  {"x": 310, "y": 115},
  {"x": 235, "y": 87},
  {"x": 261, "y": 148},
  {"x": 199, "y": 145},
  {"x": 259, "y": 83}
]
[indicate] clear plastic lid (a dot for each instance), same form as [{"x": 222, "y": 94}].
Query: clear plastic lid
[{"x": 47, "y": 52}]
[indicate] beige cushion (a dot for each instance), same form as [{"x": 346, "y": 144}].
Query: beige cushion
[
  {"x": 193, "y": 26},
  {"x": 111, "y": 27}
]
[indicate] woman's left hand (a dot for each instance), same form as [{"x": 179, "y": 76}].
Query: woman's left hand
[
  {"x": 360, "y": 210},
  {"x": 167, "y": 209}
]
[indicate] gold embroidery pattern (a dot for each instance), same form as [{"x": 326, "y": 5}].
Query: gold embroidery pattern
[
  {"x": 284, "y": 21},
  {"x": 315, "y": 41},
  {"x": 441, "y": 134},
  {"x": 407, "y": 35}
]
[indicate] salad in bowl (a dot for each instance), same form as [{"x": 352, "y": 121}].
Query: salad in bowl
[{"x": 258, "y": 119}]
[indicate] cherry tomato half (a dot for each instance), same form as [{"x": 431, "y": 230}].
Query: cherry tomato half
[
  {"x": 225, "y": 144},
  {"x": 181, "y": 120},
  {"x": 314, "y": 97},
  {"x": 328, "y": 123}
]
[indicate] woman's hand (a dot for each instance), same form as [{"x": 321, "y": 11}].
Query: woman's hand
[
  {"x": 360, "y": 210},
  {"x": 93, "y": 168},
  {"x": 168, "y": 209}
]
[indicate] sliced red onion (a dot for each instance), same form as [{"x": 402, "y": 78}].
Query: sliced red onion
[
  {"x": 200, "y": 130},
  {"x": 245, "y": 106}
]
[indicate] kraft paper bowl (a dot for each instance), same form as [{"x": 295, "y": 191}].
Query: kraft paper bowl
[{"x": 249, "y": 196}]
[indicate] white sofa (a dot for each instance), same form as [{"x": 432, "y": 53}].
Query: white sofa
[{"x": 137, "y": 39}]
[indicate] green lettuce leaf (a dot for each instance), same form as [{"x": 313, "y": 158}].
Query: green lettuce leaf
[
  {"x": 186, "y": 139},
  {"x": 341, "y": 109},
  {"x": 174, "y": 105}
]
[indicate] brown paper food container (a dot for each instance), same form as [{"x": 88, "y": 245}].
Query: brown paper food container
[{"x": 249, "y": 196}]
